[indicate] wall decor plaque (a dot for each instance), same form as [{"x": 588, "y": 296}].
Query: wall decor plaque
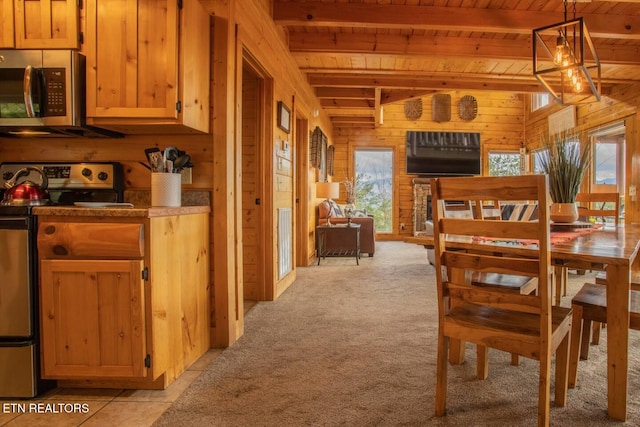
[
  {"x": 413, "y": 109},
  {"x": 330, "y": 154},
  {"x": 468, "y": 108},
  {"x": 441, "y": 108}
]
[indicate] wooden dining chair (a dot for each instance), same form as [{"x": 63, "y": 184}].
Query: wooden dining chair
[
  {"x": 494, "y": 317},
  {"x": 601, "y": 279},
  {"x": 598, "y": 206},
  {"x": 590, "y": 305}
]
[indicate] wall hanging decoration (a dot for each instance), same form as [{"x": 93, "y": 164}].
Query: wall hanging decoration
[
  {"x": 441, "y": 108},
  {"x": 322, "y": 169},
  {"x": 316, "y": 154},
  {"x": 330, "y": 153},
  {"x": 284, "y": 117},
  {"x": 468, "y": 108},
  {"x": 413, "y": 109}
]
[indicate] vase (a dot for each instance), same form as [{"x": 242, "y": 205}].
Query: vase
[{"x": 566, "y": 213}]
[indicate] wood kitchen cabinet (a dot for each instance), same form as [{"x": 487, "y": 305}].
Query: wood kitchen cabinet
[
  {"x": 95, "y": 324},
  {"x": 39, "y": 24},
  {"x": 123, "y": 301},
  {"x": 147, "y": 70}
]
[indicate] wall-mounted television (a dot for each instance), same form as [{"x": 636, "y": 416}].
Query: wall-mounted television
[{"x": 443, "y": 153}]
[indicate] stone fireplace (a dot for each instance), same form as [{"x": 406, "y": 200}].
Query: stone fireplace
[{"x": 421, "y": 205}]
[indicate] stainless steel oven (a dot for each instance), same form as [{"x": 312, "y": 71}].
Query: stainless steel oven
[
  {"x": 19, "y": 366},
  {"x": 19, "y": 322}
]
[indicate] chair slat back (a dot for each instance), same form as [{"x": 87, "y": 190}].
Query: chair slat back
[
  {"x": 593, "y": 204},
  {"x": 489, "y": 242}
]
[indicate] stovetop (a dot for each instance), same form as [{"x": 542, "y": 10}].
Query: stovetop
[{"x": 68, "y": 182}]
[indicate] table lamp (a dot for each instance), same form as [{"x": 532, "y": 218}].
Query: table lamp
[{"x": 328, "y": 191}]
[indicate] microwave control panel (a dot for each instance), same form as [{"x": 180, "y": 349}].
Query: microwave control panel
[{"x": 56, "y": 103}]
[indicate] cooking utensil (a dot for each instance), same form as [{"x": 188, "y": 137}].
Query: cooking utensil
[
  {"x": 181, "y": 162},
  {"x": 26, "y": 193},
  {"x": 170, "y": 154},
  {"x": 154, "y": 157}
]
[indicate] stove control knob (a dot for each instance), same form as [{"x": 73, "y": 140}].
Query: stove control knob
[
  {"x": 86, "y": 172},
  {"x": 102, "y": 176}
]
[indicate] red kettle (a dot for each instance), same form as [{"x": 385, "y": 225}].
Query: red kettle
[{"x": 26, "y": 193}]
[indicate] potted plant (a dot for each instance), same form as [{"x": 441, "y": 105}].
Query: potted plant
[{"x": 565, "y": 162}]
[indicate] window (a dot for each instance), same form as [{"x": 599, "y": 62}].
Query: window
[
  {"x": 542, "y": 153},
  {"x": 502, "y": 163},
  {"x": 539, "y": 100},
  {"x": 608, "y": 161},
  {"x": 608, "y": 155},
  {"x": 374, "y": 185}
]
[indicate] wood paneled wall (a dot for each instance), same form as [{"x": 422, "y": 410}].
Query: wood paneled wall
[
  {"x": 500, "y": 121},
  {"x": 621, "y": 104},
  {"x": 250, "y": 187},
  {"x": 248, "y": 29}
]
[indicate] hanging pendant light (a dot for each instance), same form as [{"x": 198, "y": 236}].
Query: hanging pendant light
[{"x": 565, "y": 61}]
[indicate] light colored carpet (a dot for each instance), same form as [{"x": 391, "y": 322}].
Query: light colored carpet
[{"x": 351, "y": 345}]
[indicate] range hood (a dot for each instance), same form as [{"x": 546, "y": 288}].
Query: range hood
[{"x": 57, "y": 132}]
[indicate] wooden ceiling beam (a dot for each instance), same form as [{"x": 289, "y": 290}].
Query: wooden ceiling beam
[
  {"x": 345, "y": 93},
  {"x": 391, "y": 96},
  {"x": 366, "y": 15},
  {"x": 363, "y": 112},
  {"x": 528, "y": 85},
  {"x": 396, "y": 81},
  {"x": 346, "y": 103},
  {"x": 477, "y": 47},
  {"x": 352, "y": 119}
]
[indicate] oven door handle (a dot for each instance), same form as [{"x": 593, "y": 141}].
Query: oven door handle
[{"x": 14, "y": 223}]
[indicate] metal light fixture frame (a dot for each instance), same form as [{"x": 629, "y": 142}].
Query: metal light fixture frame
[{"x": 553, "y": 77}]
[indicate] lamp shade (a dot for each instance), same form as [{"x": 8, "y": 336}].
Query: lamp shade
[{"x": 328, "y": 190}]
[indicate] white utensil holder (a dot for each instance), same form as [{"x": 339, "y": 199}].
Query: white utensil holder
[{"x": 166, "y": 190}]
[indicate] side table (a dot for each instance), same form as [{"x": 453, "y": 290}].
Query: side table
[{"x": 347, "y": 234}]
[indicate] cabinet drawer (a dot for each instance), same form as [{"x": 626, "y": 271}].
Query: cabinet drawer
[{"x": 67, "y": 240}]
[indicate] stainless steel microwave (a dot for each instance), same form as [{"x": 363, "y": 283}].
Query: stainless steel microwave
[{"x": 42, "y": 93}]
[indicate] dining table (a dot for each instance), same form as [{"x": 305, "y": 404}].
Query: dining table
[{"x": 612, "y": 249}]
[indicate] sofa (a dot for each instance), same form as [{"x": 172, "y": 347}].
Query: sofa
[{"x": 367, "y": 226}]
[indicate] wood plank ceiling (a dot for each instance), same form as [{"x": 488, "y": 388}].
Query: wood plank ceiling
[{"x": 361, "y": 54}]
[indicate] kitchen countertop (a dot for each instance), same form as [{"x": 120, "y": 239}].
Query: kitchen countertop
[{"x": 135, "y": 212}]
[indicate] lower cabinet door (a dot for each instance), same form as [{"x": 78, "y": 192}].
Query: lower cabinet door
[{"x": 92, "y": 317}]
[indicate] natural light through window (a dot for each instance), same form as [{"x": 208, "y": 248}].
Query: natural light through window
[
  {"x": 503, "y": 163},
  {"x": 374, "y": 185},
  {"x": 539, "y": 100}
]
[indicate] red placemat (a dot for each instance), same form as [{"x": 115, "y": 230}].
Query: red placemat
[{"x": 555, "y": 236}]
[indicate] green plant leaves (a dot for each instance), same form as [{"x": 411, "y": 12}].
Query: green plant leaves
[{"x": 565, "y": 162}]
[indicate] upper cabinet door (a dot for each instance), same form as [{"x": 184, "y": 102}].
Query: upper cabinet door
[
  {"x": 132, "y": 58},
  {"x": 46, "y": 24},
  {"x": 6, "y": 24}
]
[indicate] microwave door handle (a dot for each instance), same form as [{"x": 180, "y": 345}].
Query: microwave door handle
[{"x": 27, "y": 90}]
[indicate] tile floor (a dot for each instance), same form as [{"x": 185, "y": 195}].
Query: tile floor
[
  {"x": 101, "y": 407},
  {"x": 104, "y": 407}
]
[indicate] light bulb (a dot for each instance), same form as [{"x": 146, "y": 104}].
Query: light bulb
[
  {"x": 578, "y": 85},
  {"x": 560, "y": 48}
]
